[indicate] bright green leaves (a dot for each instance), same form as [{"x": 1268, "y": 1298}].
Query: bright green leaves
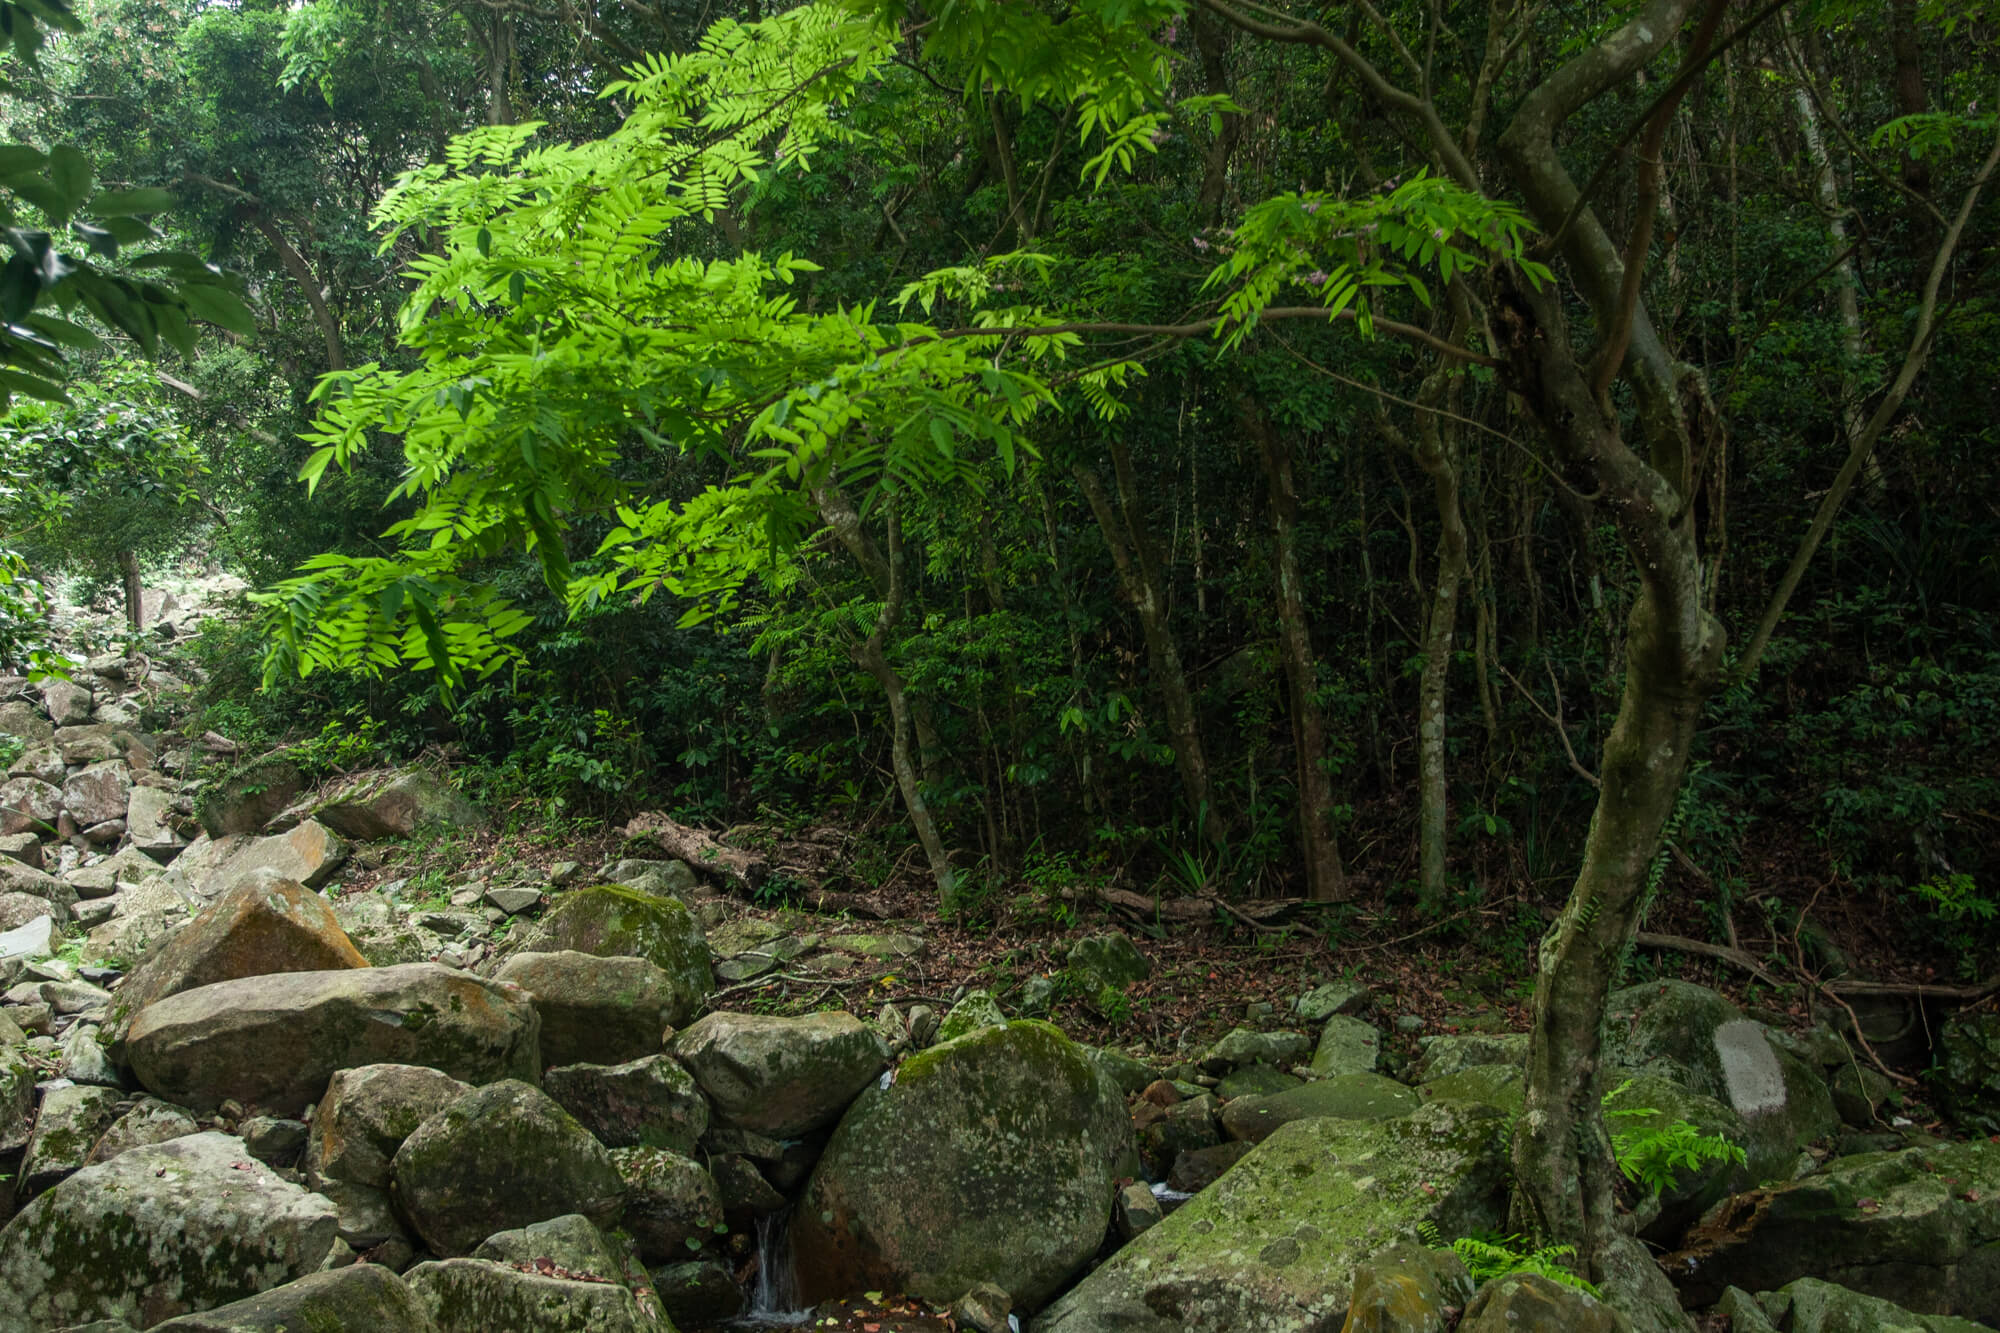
[{"x": 1333, "y": 248}]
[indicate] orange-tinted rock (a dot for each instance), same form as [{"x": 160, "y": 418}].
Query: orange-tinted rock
[{"x": 264, "y": 923}]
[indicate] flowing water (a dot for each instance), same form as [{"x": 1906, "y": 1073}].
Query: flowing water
[{"x": 775, "y": 1303}]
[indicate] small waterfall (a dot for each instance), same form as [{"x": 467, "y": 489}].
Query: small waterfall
[{"x": 776, "y": 1300}]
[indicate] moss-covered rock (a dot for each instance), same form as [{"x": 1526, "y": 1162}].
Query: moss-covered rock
[
  {"x": 781, "y": 1076},
  {"x": 66, "y": 1129},
  {"x": 274, "y": 1042},
  {"x": 651, "y": 1103},
  {"x": 600, "y": 1011},
  {"x": 611, "y": 921},
  {"x": 1694, "y": 1189},
  {"x": 1110, "y": 959},
  {"x": 977, "y": 1010},
  {"x": 482, "y": 1296},
  {"x": 263, "y": 923},
  {"x": 1449, "y": 1054},
  {"x": 1273, "y": 1246},
  {"x": 1246, "y": 1046},
  {"x": 1346, "y": 1046},
  {"x": 1503, "y": 1087},
  {"x": 500, "y": 1157},
  {"x": 1254, "y": 1081},
  {"x": 366, "y": 1115},
  {"x": 1966, "y": 1081},
  {"x": 372, "y": 806},
  {"x": 989, "y": 1158},
  {"x": 571, "y": 1241},
  {"x": 361, "y": 1298},
  {"x": 1812, "y": 1306},
  {"x": 243, "y": 799},
  {"x": 158, "y": 1232},
  {"x": 147, "y": 1121},
  {"x": 1408, "y": 1289},
  {"x": 672, "y": 1204},
  {"x": 1347, "y": 1097},
  {"x": 1919, "y": 1227},
  {"x": 698, "y": 1294},
  {"x": 1529, "y": 1302}
]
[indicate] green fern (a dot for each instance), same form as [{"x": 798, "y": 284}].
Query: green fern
[
  {"x": 1487, "y": 1255},
  {"x": 1652, "y": 1157}
]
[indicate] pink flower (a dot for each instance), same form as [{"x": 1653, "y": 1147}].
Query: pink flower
[
  {"x": 1200, "y": 244},
  {"x": 1316, "y": 278}
]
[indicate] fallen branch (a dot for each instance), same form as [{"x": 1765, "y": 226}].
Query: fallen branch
[
  {"x": 742, "y": 871},
  {"x": 1922, "y": 990}
]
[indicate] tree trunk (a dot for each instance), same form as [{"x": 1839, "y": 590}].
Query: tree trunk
[
  {"x": 309, "y": 286},
  {"x": 1326, "y": 879},
  {"x": 128, "y": 571},
  {"x": 871, "y": 654},
  {"x": 1910, "y": 98},
  {"x": 1137, "y": 574}
]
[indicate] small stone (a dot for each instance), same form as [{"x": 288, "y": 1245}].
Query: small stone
[
  {"x": 274, "y": 1141},
  {"x": 1407, "y": 1023},
  {"x": 32, "y": 940},
  {"x": 1138, "y": 1208},
  {"x": 985, "y": 1307},
  {"x": 513, "y": 899}
]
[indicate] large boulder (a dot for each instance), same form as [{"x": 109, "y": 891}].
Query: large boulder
[
  {"x": 601, "y": 1011},
  {"x": 483, "y": 1295},
  {"x": 361, "y": 1298},
  {"x": 1529, "y": 1302},
  {"x": 1692, "y": 1036},
  {"x": 1408, "y": 1289},
  {"x": 1812, "y": 1306},
  {"x": 263, "y": 924},
  {"x": 244, "y": 799},
  {"x": 373, "y": 806},
  {"x": 672, "y": 1204},
  {"x": 308, "y": 853},
  {"x": 67, "y": 702},
  {"x": 651, "y": 1103},
  {"x": 17, "y": 1100},
  {"x": 97, "y": 793},
  {"x": 781, "y": 1076},
  {"x": 609, "y": 921},
  {"x": 1274, "y": 1245},
  {"x": 1920, "y": 1227},
  {"x": 156, "y": 1232},
  {"x": 1695, "y": 1187},
  {"x": 500, "y": 1157},
  {"x": 1444, "y": 1055},
  {"x": 989, "y": 1158},
  {"x": 1966, "y": 1079},
  {"x": 273, "y": 1042},
  {"x": 366, "y": 1115},
  {"x": 1343, "y": 1097}
]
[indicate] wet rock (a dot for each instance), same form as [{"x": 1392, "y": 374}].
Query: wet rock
[
  {"x": 365, "y": 1116},
  {"x": 1016, "y": 1117},
  {"x": 1346, "y": 1046},
  {"x": 1137, "y": 1209},
  {"x": 361, "y": 1298},
  {"x": 1275, "y": 1244},
  {"x": 600, "y": 1011},
  {"x": 98, "y": 793},
  {"x": 1346, "y": 1097},
  {"x": 1529, "y": 1303},
  {"x": 672, "y": 1204},
  {"x": 244, "y": 799},
  {"x": 745, "y": 1194},
  {"x": 781, "y": 1076},
  {"x": 374, "y": 806},
  {"x": 66, "y": 1128},
  {"x": 985, "y": 1308},
  {"x": 651, "y": 1102},
  {"x": 610, "y": 921},
  {"x": 481, "y": 1296},
  {"x": 159, "y": 1231},
  {"x": 700, "y": 1294},
  {"x": 1410, "y": 1289},
  {"x": 500, "y": 1157},
  {"x": 273, "y": 1042},
  {"x": 262, "y": 924}
]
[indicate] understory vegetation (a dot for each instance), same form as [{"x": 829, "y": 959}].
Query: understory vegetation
[{"x": 1378, "y": 461}]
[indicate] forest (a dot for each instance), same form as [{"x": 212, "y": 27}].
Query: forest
[{"x": 1481, "y": 486}]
